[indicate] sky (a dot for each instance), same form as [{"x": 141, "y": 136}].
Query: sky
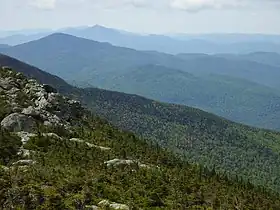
[{"x": 145, "y": 16}]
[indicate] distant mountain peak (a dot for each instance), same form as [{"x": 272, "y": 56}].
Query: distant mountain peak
[
  {"x": 100, "y": 27},
  {"x": 59, "y": 34}
]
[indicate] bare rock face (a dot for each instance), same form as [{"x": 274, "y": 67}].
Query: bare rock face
[
  {"x": 89, "y": 144},
  {"x": 119, "y": 162},
  {"x": 112, "y": 205},
  {"x": 25, "y": 136},
  {"x": 92, "y": 207},
  {"x": 32, "y": 111},
  {"x": 24, "y": 162},
  {"x": 6, "y": 84},
  {"x": 31, "y": 102},
  {"x": 17, "y": 122}
]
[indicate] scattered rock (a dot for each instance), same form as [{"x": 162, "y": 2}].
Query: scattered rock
[
  {"x": 112, "y": 205},
  {"x": 12, "y": 92},
  {"x": 51, "y": 119},
  {"x": 44, "y": 105},
  {"x": 52, "y": 135},
  {"x": 25, "y": 153},
  {"x": 6, "y": 83},
  {"x": 93, "y": 207},
  {"x": 25, "y": 136},
  {"x": 16, "y": 109},
  {"x": 17, "y": 122},
  {"x": 118, "y": 206},
  {"x": 118, "y": 162},
  {"x": 24, "y": 162},
  {"x": 104, "y": 203},
  {"x": 31, "y": 111},
  {"x": 89, "y": 144},
  {"x": 41, "y": 102}
]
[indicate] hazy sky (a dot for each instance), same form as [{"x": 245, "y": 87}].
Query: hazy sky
[{"x": 152, "y": 16}]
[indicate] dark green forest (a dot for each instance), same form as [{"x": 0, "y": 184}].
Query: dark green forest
[
  {"x": 196, "y": 160},
  {"x": 198, "y": 136},
  {"x": 69, "y": 175}
]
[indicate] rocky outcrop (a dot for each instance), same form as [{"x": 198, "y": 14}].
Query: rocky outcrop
[
  {"x": 25, "y": 136},
  {"x": 25, "y": 153},
  {"x": 112, "y": 205},
  {"x": 92, "y": 207},
  {"x": 24, "y": 162},
  {"x": 119, "y": 162},
  {"x": 31, "y": 111},
  {"x": 52, "y": 135},
  {"x": 89, "y": 144},
  {"x": 17, "y": 122},
  {"x": 31, "y": 102}
]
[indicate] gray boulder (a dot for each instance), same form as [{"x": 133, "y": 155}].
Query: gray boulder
[
  {"x": 119, "y": 162},
  {"x": 89, "y": 144},
  {"x": 112, "y": 205},
  {"x": 25, "y": 136},
  {"x": 17, "y": 122},
  {"x": 91, "y": 207},
  {"x": 24, "y": 162},
  {"x": 32, "y": 111}
]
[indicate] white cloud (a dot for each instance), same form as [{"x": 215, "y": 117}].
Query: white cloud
[
  {"x": 186, "y": 5},
  {"x": 43, "y": 4},
  {"x": 195, "y": 5}
]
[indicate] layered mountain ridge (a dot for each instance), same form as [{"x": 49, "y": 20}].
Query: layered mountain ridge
[
  {"x": 239, "y": 88},
  {"x": 194, "y": 135},
  {"x": 82, "y": 162}
]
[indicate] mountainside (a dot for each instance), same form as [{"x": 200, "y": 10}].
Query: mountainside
[
  {"x": 241, "y": 68},
  {"x": 16, "y": 39},
  {"x": 233, "y": 149},
  {"x": 33, "y": 72},
  {"x": 55, "y": 155},
  {"x": 235, "y": 95},
  {"x": 89, "y": 56},
  {"x": 233, "y": 98},
  {"x": 230, "y": 38},
  {"x": 71, "y": 57},
  {"x": 268, "y": 58}
]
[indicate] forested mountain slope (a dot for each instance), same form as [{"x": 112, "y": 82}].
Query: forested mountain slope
[
  {"x": 55, "y": 155},
  {"x": 269, "y": 58},
  {"x": 79, "y": 59},
  {"x": 236, "y": 99},
  {"x": 241, "y": 68},
  {"x": 234, "y": 95},
  {"x": 198, "y": 136}
]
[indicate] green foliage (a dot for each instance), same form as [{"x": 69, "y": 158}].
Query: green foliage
[
  {"x": 9, "y": 146},
  {"x": 4, "y": 107},
  {"x": 241, "y": 164},
  {"x": 70, "y": 175},
  {"x": 197, "y": 136},
  {"x": 233, "y": 98}
]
